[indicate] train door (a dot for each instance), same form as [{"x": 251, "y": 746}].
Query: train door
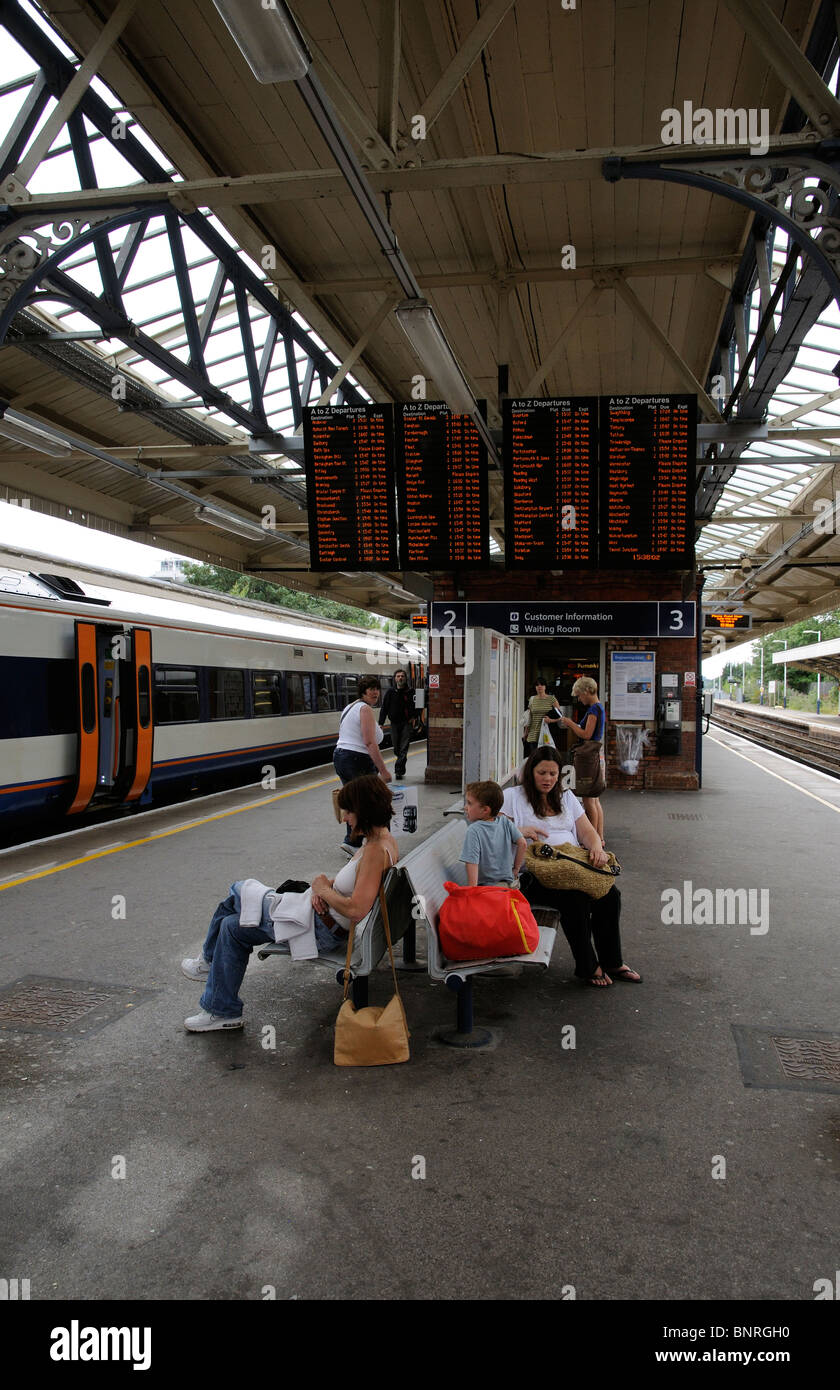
[{"x": 114, "y": 715}]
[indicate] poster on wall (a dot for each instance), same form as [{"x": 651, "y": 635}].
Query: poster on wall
[{"x": 632, "y": 685}]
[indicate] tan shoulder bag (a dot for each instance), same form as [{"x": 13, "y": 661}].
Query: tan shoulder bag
[{"x": 373, "y": 1036}]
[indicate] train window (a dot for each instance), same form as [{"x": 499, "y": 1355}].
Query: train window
[
  {"x": 267, "y": 689},
  {"x": 61, "y": 702},
  {"x": 227, "y": 693},
  {"x": 348, "y": 689},
  {"x": 144, "y": 702},
  {"x": 324, "y": 692},
  {"x": 37, "y": 696},
  {"x": 299, "y": 692},
  {"x": 176, "y": 695},
  {"x": 88, "y": 691}
]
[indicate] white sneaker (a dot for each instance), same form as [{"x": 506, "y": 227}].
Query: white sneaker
[
  {"x": 195, "y": 968},
  {"x": 203, "y": 1022}
]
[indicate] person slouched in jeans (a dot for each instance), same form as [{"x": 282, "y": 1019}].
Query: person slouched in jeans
[
  {"x": 357, "y": 750},
  {"x": 398, "y": 707},
  {"x": 306, "y": 924}
]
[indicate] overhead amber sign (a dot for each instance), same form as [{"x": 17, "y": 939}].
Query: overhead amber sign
[{"x": 728, "y": 622}]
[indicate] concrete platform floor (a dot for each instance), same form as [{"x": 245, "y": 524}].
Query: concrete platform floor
[{"x": 545, "y": 1167}]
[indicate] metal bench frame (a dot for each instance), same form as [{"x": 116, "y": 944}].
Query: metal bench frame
[
  {"x": 369, "y": 944},
  {"x": 425, "y": 870}
]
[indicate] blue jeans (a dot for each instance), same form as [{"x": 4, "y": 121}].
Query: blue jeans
[
  {"x": 349, "y": 765},
  {"x": 228, "y": 947}
]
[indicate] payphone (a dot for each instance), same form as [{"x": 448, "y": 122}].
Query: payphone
[{"x": 668, "y": 715}]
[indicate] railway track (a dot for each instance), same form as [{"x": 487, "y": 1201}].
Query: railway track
[{"x": 812, "y": 744}]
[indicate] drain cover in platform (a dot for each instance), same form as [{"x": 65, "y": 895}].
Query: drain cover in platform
[
  {"x": 789, "y": 1059},
  {"x": 42, "y": 1004}
]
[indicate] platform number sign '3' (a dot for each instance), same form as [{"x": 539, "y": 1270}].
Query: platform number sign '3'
[{"x": 676, "y": 620}]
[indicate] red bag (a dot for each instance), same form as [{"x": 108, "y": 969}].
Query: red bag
[{"x": 484, "y": 922}]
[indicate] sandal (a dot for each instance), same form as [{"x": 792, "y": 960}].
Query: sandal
[
  {"x": 630, "y": 977},
  {"x": 599, "y": 981}
]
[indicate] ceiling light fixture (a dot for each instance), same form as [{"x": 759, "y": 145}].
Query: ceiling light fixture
[
  {"x": 34, "y": 439},
  {"x": 268, "y": 40},
  {"x": 417, "y": 320},
  {"x": 275, "y": 51},
  {"x": 226, "y": 521}
]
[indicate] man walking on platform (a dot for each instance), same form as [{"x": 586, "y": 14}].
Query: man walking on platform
[{"x": 398, "y": 706}]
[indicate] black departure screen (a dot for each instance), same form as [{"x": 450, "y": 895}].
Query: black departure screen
[
  {"x": 729, "y": 622},
  {"x": 441, "y": 466},
  {"x": 550, "y": 465},
  {"x": 348, "y": 456},
  {"x": 648, "y": 447}
]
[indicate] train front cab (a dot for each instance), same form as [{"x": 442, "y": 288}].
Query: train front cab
[{"x": 114, "y": 720}]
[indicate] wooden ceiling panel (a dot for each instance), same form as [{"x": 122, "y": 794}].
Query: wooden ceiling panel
[{"x": 549, "y": 78}]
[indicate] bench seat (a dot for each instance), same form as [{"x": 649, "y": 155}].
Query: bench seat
[
  {"x": 369, "y": 944},
  {"x": 426, "y": 869}
]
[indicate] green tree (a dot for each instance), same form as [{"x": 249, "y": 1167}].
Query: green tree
[{"x": 225, "y": 581}]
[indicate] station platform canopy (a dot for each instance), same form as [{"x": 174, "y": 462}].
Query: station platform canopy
[
  {"x": 191, "y": 256},
  {"x": 816, "y": 656}
]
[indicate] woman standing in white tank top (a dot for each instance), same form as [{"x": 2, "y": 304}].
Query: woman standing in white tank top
[{"x": 359, "y": 736}]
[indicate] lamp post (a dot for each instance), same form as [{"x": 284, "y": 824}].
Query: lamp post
[
  {"x": 784, "y": 697},
  {"x": 761, "y": 677},
  {"x": 805, "y": 632}
]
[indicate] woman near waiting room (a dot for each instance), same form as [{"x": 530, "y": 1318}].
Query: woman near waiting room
[
  {"x": 540, "y": 707},
  {"x": 589, "y": 777}
]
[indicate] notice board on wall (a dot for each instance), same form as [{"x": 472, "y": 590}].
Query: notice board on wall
[
  {"x": 632, "y": 685},
  {"x": 349, "y": 464}
]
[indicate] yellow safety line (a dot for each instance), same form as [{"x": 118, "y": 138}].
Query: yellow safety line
[
  {"x": 175, "y": 830},
  {"x": 777, "y": 775}
]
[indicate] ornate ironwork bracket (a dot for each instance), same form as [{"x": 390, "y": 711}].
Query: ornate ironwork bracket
[
  {"x": 775, "y": 187},
  {"x": 33, "y": 250},
  {"x": 23, "y": 265}
]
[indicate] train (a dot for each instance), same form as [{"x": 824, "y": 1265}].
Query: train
[{"x": 106, "y": 710}]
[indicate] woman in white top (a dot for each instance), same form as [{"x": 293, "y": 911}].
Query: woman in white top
[
  {"x": 359, "y": 736},
  {"x": 545, "y": 813},
  {"x": 336, "y": 902}
]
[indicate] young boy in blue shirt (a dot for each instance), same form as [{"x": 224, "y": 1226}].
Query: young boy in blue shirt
[{"x": 490, "y": 839}]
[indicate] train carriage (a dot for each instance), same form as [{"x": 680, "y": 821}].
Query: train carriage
[{"x": 102, "y": 708}]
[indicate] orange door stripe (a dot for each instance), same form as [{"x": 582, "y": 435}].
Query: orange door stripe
[
  {"x": 88, "y": 754},
  {"x": 144, "y": 737}
]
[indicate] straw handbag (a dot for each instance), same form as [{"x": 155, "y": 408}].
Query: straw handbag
[
  {"x": 371, "y": 1037},
  {"x": 567, "y": 868}
]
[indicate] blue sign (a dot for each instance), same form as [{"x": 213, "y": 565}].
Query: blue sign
[{"x": 607, "y": 619}]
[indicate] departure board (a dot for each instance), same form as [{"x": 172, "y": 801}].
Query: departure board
[
  {"x": 648, "y": 448},
  {"x": 551, "y": 482},
  {"x": 348, "y": 457},
  {"x": 441, "y": 466}
]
